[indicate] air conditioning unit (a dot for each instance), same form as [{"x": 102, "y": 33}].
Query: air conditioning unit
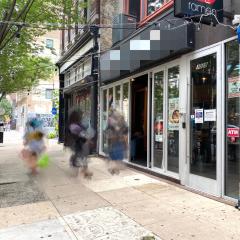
[{"x": 123, "y": 26}]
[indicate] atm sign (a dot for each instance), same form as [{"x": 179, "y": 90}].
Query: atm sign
[{"x": 233, "y": 132}]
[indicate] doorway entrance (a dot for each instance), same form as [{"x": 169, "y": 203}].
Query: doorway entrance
[
  {"x": 204, "y": 125},
  {"x": 139, "y": 120}
]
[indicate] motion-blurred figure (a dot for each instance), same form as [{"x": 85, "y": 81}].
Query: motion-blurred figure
[
  {"x": 117, "y": 134},
  {"x": 33, "y": 143},
  {"x": 81, "y": 134}
]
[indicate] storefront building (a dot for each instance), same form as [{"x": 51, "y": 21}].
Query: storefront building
[
  {"x": 78, "y": 66},
  {"x": 178, "y": 88}
]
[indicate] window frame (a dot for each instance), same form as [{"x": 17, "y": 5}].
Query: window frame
[
  {"x": 144, "y": 7},
  {"x": 47, "y": 41},
  {"x": 50, "y": 92}
]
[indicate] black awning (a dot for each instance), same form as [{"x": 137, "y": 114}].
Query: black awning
[{"x": 153, "y": 44}]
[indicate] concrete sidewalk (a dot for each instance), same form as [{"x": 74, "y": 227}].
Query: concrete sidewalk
[{"x": 56, "y": 205}]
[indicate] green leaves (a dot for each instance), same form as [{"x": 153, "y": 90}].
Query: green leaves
[{"x": 20, "y": 66}]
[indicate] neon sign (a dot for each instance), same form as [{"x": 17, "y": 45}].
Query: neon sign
[{"x": 194, "y": 9}]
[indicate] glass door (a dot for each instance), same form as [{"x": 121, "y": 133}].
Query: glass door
[
  {"x": 203, "y": 125},
  {"x": 165, "y": 121}
]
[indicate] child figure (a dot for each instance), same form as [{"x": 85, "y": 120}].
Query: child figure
[
  {"x": 81, "y": 135},
  {"x": 33, "y": 144}
]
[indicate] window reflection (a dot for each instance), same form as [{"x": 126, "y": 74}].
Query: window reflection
[
  {"x": 232, "y": 119},
  {"x": 104, "y": 121},
  {"x": 113, "y": 98},
  {"x": 173, "y": 119},
  {"x": 158, "y": 119},
  {"x": 203, "y": 128},
  {"x": 154, "y": 5}
]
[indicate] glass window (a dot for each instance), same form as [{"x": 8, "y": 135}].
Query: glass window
[
  {"x": 173, "y": 119},
  {"x": 104, "y": 122},
  {"x": 49, "y": 94},
  {"x": 232, "y": 119},
  {"x": 158, "y": 118},
  {"x": 154, "y": 5},
  {"x": 125, "y": 101},
  {"x": 118, "y": 98},
  {"x": 49, "y": 43},
  {"x": 110, "y": 100}
]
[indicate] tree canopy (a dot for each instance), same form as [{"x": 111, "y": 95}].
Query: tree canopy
[{"x": 21, "y": 23}]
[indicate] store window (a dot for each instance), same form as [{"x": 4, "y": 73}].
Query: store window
[
  {"x": 232, "y": 119},
  {"x": 173, "y": 119},
  {"x": 158, "y": 118},
  {"x": 113, "y": 98},
  {"x": 143, "y": 8}
]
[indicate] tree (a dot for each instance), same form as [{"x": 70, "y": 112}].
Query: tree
[
  {"x": 7, "y": 107},
  {"x": 22, "y": 73},
  {"x": 21, "y": 22},
  {"x": 16, "y": 15}
]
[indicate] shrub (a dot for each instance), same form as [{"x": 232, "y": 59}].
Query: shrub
[{"x": 52, "y": 135}]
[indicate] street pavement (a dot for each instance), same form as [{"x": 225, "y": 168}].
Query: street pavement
[{"x": 56, "y": 204}]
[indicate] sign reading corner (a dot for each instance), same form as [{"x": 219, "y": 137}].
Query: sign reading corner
[{"x": 196, "y": 8}]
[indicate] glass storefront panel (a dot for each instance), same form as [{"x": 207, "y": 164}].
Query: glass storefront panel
[
  {"x": 203, "y": 129},
  {"x": 110, "y": 100},
  {"x": 104, "y": 121},
  {"x": 125, "y": 102},
  {"x": 173, "y": 119},
  {"x": 118, "y": 98},
  {"x": 113, "y": 98},
  {"x": 232, "y": 119},
  {"x": 158, "y": 119}
]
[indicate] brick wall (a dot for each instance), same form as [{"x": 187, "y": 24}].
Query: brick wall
[{"x": 108, "y": 9}]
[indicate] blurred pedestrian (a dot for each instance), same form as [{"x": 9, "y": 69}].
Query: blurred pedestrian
[
  {"x": 33, "y": 143},
  {"x": 81, "y": 134},
  {"x": 117, "y": 134}
]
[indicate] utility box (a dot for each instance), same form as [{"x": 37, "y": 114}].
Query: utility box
[
  {"x": 123, "y": 26},
  {"x": 1, "y": 132}
]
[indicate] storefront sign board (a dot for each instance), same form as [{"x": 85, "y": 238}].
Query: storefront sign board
[
  {"x": 234, "y": 87},
  {"x": 194, "y": 9},
  {"x": 198, "y": 115},
  {"x": 210, "y": 115}
]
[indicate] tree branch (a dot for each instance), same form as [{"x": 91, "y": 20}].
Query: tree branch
[
  {"x": 23, "y": 14},
  {"x": 3, "y": 94},
  {"x": 7, "y": 41},
  {"x": 8, "y": 17}
]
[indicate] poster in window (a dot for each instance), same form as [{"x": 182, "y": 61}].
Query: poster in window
[
  {"x": 210, "y": 115},
  {"x": 234, "y": 87},
  {"x": 173, "y": 118},
  {"x": 198, "y": 115},
  {"x": 158, "y": 129}
]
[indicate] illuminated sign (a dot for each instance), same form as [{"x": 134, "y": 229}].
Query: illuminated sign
[{"x": 194, "y": 9}]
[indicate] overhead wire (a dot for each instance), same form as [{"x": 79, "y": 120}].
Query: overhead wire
[{"x": 187, "y": 21}]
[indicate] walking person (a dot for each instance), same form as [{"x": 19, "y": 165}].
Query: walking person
[
  {"x": 117, "y": 134},
  {"x": 33, "y": 142},
  {"x": 81, "y": 135}
]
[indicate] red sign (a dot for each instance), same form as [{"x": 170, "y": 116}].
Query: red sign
[
  {"x": 233, "y": 132},
  {"x": 210, "y": 2}
]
